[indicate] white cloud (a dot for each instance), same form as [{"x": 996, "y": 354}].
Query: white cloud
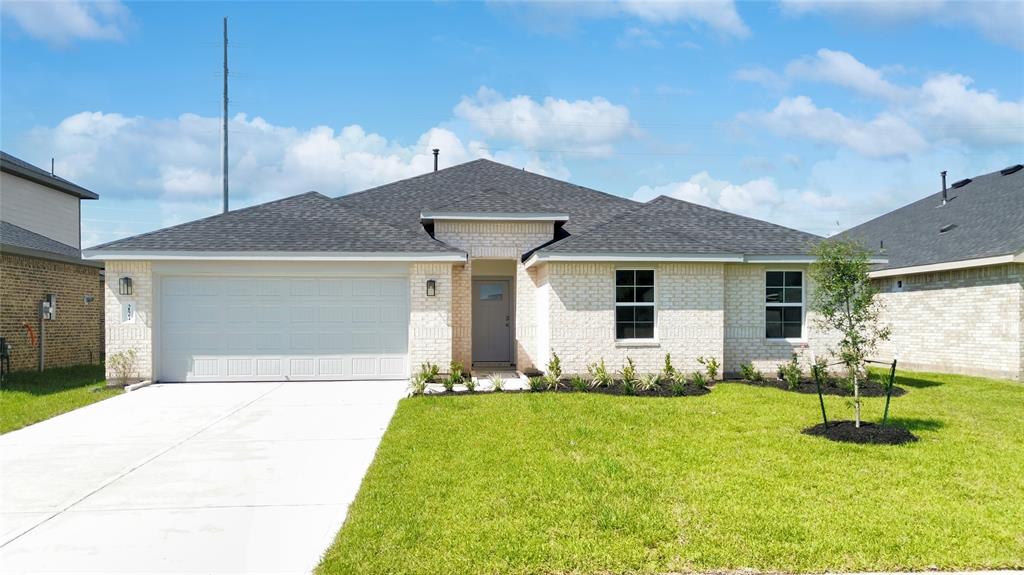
[
  {"x": 753, "y": 198},
  {"x": 586, "y": 126},
  {"x": 842, "y": 69},
  {"x": 953, "y": 109},
  {"x": 999, "y": 20},
  {"x": 763, "y": 76},
  {"x": 61, "y": 23}
]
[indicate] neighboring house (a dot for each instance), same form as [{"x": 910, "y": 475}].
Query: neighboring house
[
  {"x": 482, "y": 263},
  {"x": 953, "y": 287},
  {"x": 40, "y": 255}
]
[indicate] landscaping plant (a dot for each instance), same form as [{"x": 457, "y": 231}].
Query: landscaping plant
[
  {"x": 450, "y": 381},
  {"x": 418, "y": 384},
  {"x": 429, "y": 371},
  {"x": 750, "y": 373},
  {"x": 677, "y": 385},
  {"x": 536, "y": 383},
  {"x": 629, "y": 377},
  {"x": 555, "y": 366},
  {"x": 699, "y": 379},
  {"x": 599, "y": 374},
  {"x": 790, "y": 373},
  {"x": 578, "y": 383},
  {"x": 470, "y": 384},
  {"x": 844, "y": 299},
  {"x": 455, "y": 371},
  {"x": 648, "y": 382},
  {"x": 122, "y": 365},
  {"x": 711, "y": 366},
  {"x": 552, "y": 382},
  {"x": 669, "y": 370},
  {"x": 497, "y": 382}
]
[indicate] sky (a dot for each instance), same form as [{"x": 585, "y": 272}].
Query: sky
[{"x": 817, "y": 115}]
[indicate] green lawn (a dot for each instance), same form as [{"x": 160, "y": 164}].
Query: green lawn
[
  {"x": 27, "y": 397},
  {"x": 586, "y": 483}
]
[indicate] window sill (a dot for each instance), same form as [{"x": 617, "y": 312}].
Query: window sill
[
  {"x": 637, "y": 343},
  {"x": 790, "y": 340}
]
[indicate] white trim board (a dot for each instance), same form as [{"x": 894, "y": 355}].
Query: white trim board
[
  {"x": 946, "y": 266},
  {"x": 111, "y": 255},
  {"x": 496, "y": 216}
]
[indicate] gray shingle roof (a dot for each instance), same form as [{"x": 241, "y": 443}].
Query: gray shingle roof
[
  {"x": 987, "y": 212},
  {"x": 670, "y": 226},
  {"x": 12, "y": 236},
  {"x": 309, "y": 222},
  {"x": 486, "y": 186},
  {"x": 23, "y": 169}
]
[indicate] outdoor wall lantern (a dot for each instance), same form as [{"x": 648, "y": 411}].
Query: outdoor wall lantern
[
  {"x": 124, "y": 286},
  {"x": 431, "y": 288}
]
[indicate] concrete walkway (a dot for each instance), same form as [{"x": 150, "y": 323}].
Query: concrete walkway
[{"x": 212, "y": 477}]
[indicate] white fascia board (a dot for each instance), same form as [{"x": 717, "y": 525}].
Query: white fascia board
[
  {"x": 111, "y": 255},
  {"x": 946, "y": 266},
  {"x": 799, "y": 260},
  {"x": 495, "y": 216},
  {"x": 543, "y": 258}
]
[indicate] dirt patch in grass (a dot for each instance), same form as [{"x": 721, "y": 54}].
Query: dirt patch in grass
[
  {"x": 868, "y": 388},
  {"x": 847, "y": 432}
]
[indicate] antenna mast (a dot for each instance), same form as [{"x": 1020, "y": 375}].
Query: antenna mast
[{"x": 225, "y": 160}]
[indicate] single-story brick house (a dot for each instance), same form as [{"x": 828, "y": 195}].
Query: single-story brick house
[
  {"x": 482, "y": 263},
  {"x": 953, "y": 285},
  {"x": 40, "y": 256}
]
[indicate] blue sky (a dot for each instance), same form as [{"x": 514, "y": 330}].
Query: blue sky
[{"x": 800, "y": 112}]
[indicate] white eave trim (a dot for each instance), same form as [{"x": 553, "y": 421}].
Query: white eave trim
[
  {"x": 495, "y": 216},
  {"x": 946, "y": 266},
  {"x": 111, "y": 255},
  {"x": 721, "y": 258}
]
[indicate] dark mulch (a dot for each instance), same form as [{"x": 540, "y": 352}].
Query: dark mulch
[
  {"x": 869, "y": 388},
  {"x": 846, "y": 432},
  {"x": 662, "y": 391}
]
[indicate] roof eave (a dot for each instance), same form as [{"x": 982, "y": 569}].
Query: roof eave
[
  {"x": 946, "y": 266},
  {"x": 538, "y": 258},
  {"x": 429, "y": 216},
  {"x": 50, "y": 182},
  {"x": 114, "y": 254}
]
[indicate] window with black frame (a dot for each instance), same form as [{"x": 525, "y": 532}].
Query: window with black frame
[
  {"x": 784, "y": 305},
  {"x": 634, "y": 304}
]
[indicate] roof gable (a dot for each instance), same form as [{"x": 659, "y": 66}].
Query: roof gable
[{"x": 25, "y": 170}]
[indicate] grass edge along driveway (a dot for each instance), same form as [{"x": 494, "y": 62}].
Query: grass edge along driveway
[
  {"x": 28, "y": 397},
  {"x": 587, "y": 483}
]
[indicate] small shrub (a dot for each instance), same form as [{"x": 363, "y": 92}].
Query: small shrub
[
  {"x": 552, "y": 382},
  {"x": 578, "y": 383},
  {"x": 429, "y": 370},
  {"x": 819, "y": 370},
  {"x": 470, "y": 384},
  {"x": 790, "y": 373},
  {"x": 629, "y": 386},
  {"x": 669, "y": 370},
  {"x": 122, "y": 365},
  {"x": 418, "y": 384},
  {"x": 711, "y": 366},
  {"x": 555, "y": 366},
  {"x": 629, "y": 372},
  {"x": 455, "y": 371},
  {"x": 648, "y": 382},
  {"x": 599, "y": 374},
  {"x": 698, "y": 379},
  {"x": 677, "y": 384},
  {"x": 497, "y": 382},
  {"x": 450, "y": 382},
  {"x": 750, "y": 373},
  {"x": 536, "y": 383}
]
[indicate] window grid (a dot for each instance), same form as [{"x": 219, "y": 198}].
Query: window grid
[
  {"x": 634, "y": 304},
  {"x": 784, "y": 305}
]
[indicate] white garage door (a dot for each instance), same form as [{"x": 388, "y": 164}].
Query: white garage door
[{"x": 267, "y": 328}]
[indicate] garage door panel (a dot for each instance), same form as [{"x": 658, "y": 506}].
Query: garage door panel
[{"x": 243, "y": 328}]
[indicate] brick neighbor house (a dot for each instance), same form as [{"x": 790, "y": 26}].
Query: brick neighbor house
[
  {"x": 481, "y": 263},
  {"x": 40, "y": 255},
  {"x": 953, "y": 286}
]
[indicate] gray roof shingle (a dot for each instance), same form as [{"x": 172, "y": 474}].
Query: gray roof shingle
[
  {"x": 670, "y": 226},
  {"x": 987, "y": 214},
  {"x": 309, "y": 222},
  {"x": 18, "y": 237},
  {"x": 23, "y": 169}
]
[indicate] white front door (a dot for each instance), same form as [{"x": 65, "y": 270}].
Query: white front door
[
  {"x": 282, "y": 328},
  {"x": 492, "y": 321}
]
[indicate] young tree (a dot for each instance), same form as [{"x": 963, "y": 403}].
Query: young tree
[{"x": 845, "y": 299}]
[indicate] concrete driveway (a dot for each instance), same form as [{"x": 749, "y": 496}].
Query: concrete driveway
[{"x": 211, "y": 477}]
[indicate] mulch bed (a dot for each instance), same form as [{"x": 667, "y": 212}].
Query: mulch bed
[
  {"x": 661, "y": 391},
  {"x": 846, "y": 432},
  {"x": 870, "y": 388}
]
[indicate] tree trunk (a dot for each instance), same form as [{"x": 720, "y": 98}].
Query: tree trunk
[{"x": 856, "y": 401}]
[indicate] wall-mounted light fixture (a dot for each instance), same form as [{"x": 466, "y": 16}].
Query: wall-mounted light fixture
[
  {"x": 431, "y": 288},
  {"x": 124, "y": 286}
]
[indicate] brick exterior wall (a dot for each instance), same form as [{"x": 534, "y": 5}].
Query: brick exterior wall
[
  {"x": 430, "y": 320},
  {"x": 960, "y": 321},
  {"x": 137, "y": 335},
  {"x": 76, "y": 335},
  {"x": 495, "y": 240},
  {"x": 581, "y": 302},
  {"x": 744, "y": 322}
]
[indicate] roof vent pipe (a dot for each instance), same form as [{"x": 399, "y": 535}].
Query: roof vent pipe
[
  {"x": 436, "y": 152},
  {"x": 944, "y": 198}
]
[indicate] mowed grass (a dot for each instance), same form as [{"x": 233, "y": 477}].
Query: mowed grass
[
  {"x": 586, "y": 483},
  {"x": 28, "y": 397}
]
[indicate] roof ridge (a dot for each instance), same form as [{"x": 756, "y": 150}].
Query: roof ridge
[{"x": 410, "y": 178}]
